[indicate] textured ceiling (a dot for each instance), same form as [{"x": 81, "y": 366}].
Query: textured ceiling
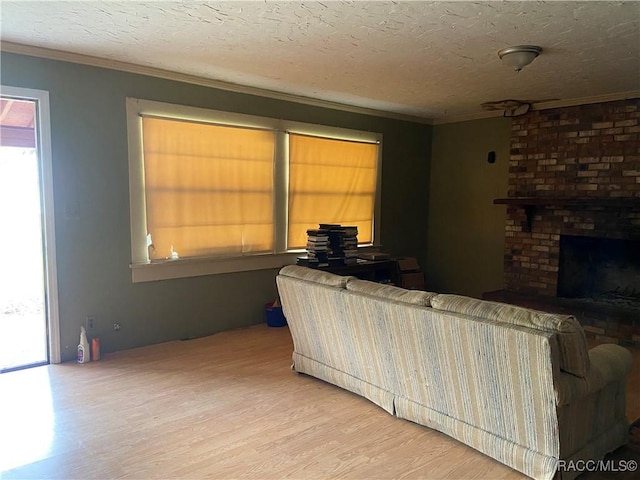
[{"x": 429, "y": 59}]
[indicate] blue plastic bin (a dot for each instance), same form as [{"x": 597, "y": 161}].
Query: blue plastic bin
[{"x": 275, "y": 317}]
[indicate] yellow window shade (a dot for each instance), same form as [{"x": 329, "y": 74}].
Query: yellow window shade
[
  {"x": 208, "y": 188},
  {"x": 330, "y": 181}
]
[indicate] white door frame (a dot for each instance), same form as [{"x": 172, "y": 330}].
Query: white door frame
[{"x": 43, "y": 142}]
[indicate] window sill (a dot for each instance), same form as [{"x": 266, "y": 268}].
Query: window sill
[{"x": 196, "y": 267}]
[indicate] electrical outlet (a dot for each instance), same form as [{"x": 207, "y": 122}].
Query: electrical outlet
[
  {"x": 91, "y": 322},
  {"x": 116, "y": 326}
]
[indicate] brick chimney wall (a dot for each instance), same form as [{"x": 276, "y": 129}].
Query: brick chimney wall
[{"x": 581, "y": 152}]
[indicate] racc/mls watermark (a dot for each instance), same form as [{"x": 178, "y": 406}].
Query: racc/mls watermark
[{"x": 597, "y": 465}]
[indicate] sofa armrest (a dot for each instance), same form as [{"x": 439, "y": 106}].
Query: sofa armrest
[{"x": 609, "y": 363}]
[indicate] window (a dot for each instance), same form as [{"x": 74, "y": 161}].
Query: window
[
  {"x": 208, "y": 188},
  {"x": 214, "y": 192},
  {"x": 330, "y": 181}
]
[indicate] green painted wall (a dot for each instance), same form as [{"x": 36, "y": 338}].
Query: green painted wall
[
  {"x": 90, "y": 175},
  {"x": 466, "y": 231}
]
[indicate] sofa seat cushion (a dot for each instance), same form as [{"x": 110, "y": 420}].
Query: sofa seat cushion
[
  {"x": 414, "y": 297},
  {"x": 313, "y": 275},
  {"x": 572, "y": 342}
]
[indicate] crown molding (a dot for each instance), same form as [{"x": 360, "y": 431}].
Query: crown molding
[
  {"x": 88, "y": 60},
  {"x": 467, "y": 117},
  {"x": 92, "y": 61},
  {"x": 570, "y": 102}
]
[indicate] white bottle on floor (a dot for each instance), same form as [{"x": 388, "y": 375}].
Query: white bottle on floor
[{"x": 83, "y": 347}]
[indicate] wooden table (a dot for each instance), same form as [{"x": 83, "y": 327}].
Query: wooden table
[{"x": 382, "y": 271}]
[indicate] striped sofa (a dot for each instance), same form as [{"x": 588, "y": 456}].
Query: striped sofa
[{"x": 516, "y": 384}]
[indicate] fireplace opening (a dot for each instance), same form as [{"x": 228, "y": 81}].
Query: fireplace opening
[{"x": 603, "y": 270}]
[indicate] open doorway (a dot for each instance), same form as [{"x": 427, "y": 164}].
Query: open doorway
[{"x": 28, "y": 293}]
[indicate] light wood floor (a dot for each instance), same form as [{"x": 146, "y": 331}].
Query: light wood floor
[{"x": 225, "y": 406}]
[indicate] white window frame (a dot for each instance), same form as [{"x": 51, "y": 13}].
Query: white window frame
[{"x": 144, "y": 270}]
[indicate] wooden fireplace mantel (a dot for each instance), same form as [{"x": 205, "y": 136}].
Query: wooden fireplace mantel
[
  {"x": 531, "y": 204},
  {"x": 622, "y": 202}
]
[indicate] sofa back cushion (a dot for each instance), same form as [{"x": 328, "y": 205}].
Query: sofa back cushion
[
  {"x": 572, "y": 343},
  {"x": 317, "y": 276},
  {"x": 414, "y": 297}
]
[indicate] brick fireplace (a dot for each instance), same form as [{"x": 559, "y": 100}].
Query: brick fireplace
[{"x": 573, "y": 172}]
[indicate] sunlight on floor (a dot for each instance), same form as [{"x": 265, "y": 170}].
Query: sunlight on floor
[{"x": 26, "y": 417}]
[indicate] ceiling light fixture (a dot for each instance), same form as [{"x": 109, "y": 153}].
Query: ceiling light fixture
[{"x": 519, "y": 56}]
